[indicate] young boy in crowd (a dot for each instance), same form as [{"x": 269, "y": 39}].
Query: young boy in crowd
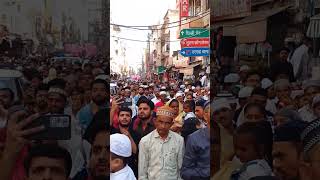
[{"x": 120, "y": 150}]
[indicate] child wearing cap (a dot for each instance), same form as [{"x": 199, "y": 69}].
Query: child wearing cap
[{"x": 120, "y": 150}]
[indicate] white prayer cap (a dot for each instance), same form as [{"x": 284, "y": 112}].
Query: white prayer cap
[
  {"x": 245, "y": 92},
  {"x": 244, "y": 68},
  {"x": 232, "y": 78},
  {"x": 266, "y": 83},
  {"x": 163, "y": 88},
  {"x": 163, "y": 93},
  {"x": 187, "y": 90},
  {"x": 102, "y": 76},
  {"x": 220, "y": 103},
  {"x": 182, "y": 86},
  {"x": 179, "y": 94},
  {"x": 120, "y": 145},
  {"x": 193, "y": 87},
  {"x": 310, "y": 83},
  {"x": 316, "y": 100}
]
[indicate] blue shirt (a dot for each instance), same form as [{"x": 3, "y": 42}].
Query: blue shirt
[
  {"x": 85, "y": 115},
  {"x": 196, "y": 160}
]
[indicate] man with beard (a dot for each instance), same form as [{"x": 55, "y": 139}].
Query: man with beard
[
  {"x": 143, "y": 124},
  {"x": 286, "y": 150},
  {"x": 172, "y": 93},
  {"x": 140, "y": 93},
  {"x": 57, "y": 100},
  {"x": 99, "y": 157},
  {"x": 41, "y": 99},
  {"x": 99, "y": 101},
  {"x": 282, "y": 66},
  {"x": 161, "y": 151},
  {"x": 124, "y": 116}
]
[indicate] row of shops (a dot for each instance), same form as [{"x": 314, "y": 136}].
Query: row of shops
[{"x": 255, "y": 33}]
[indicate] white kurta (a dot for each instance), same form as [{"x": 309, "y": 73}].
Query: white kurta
[{"x": 124, "y": 174}]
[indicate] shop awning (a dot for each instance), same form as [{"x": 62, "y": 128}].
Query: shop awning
[
  {"x": 188, "y": 70},
  {"x": 314, "y": 27},
  {"x": 253, "y": 29},
  {"x": 228, "y": 27}
]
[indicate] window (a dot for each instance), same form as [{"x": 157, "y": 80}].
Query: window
[
  {"x": 191, "y": 8},
  {"x": 197, "y": 7},
  {"x": 206, "y": 4}
]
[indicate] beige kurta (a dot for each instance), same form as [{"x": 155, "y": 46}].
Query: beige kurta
[{"x": 160, "y": 159}]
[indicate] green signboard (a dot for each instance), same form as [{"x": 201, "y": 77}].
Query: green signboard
[
  {"x": 194, "y": 32},
  {"x": 161, "y": 69}
]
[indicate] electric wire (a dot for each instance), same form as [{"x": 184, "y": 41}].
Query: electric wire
[
  {"x": 162, "y": 28},
  {"x": 136, "y": 40},
  {"x": 121, "y": 25}
]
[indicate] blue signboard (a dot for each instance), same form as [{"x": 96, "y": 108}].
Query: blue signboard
[{"x": 193, "y": 52}]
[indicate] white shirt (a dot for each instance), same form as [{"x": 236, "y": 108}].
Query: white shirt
[
  {"x": 203, "y": 81},
  {"x": 155, "y": 100},
  {"x": 124, "y": 174},
  {"x": 307, "y": 114},
  {"x": 271, "y": 105},
  {"x": 297, "y": 58},
  {"x": 252, "y": 169}
]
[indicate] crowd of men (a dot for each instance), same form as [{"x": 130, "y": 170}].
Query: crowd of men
[
  {"x": 79, "y": 90},
  {"x": 266, "y": 125},
  {"x": 160, "y": 131}
]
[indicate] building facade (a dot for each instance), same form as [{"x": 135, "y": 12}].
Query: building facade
[
  {"x": 165, "y": 60},
  {"x": 118, "y": 62}
]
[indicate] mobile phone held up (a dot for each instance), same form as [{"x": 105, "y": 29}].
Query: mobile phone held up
[{"x": 57, "y": 127}]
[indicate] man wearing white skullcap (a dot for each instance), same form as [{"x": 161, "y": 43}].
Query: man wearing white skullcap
[
  {"x": 266, "y": 83},
  {"x": 243, "y": 72},
  {"x": 120, "y": 149},
  {"x": 244, "y": 94},
  {"x": 272, "y": 100},
  {"x": 311, "y": 89},
  {"x": 230, "y": 80}
]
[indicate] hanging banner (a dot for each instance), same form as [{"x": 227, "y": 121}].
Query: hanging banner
[{"x": 184, "y": 8}]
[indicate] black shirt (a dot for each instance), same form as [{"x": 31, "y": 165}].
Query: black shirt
[{"x": 280, "y": 67}]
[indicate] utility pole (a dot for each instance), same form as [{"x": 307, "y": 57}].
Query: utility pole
[{"x": 148, "y": 54}]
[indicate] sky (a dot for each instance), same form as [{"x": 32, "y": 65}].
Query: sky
[{"x": 138, "y": 13}]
